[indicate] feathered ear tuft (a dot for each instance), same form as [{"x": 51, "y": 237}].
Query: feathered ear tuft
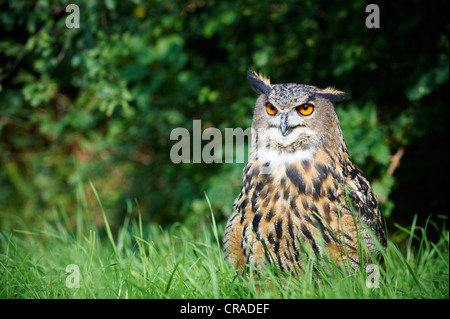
[
  {"x": 334, "y": 95},
  {"x": 260, "y": 84}
]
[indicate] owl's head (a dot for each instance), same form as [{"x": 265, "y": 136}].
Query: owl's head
[{"x": 295, "y": 116}]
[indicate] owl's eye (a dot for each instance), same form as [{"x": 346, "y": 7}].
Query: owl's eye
[
  {"x": 305, "y": 109},
  {"x": 271, "y": 110}
]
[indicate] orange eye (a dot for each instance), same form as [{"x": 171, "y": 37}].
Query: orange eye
[
  {"x": 271, "y": 110},
  {"x": 305, "y": 109}
]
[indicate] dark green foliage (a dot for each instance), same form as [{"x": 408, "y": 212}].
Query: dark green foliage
[{"x": 99, "y": 102}]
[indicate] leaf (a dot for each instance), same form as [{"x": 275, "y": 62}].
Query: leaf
[{"x": 380, "y": 152}]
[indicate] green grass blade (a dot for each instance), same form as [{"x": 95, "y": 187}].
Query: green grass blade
[
  {"x": 108, "y": 229},
  {"x": 166, "y": 290},
  {"x": 15, "y": 274},
  {"x": 213, "y": 221}
]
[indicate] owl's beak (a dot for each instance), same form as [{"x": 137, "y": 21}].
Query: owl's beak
[{"x": 285, "y": 130}]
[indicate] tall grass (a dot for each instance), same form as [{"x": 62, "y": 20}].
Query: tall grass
[{"x": 147, "y": 261}]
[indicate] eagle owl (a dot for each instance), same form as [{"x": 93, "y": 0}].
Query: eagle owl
[{"x": 299, "y": 186}]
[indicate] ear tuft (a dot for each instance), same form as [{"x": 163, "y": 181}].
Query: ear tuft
[
  {"x": 334, "y": 95},
  {"x": 260, "y": 83}
]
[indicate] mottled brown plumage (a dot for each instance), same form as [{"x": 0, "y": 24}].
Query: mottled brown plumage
[{"x": 299, "y": 185}]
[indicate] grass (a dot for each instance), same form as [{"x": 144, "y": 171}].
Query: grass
[{"x": 146, "y": 261}]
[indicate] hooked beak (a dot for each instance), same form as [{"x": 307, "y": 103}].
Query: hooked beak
[{"x": 285, "y": 130}]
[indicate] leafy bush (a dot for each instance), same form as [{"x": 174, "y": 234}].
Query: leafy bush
[{"x": 99, "y": 102}]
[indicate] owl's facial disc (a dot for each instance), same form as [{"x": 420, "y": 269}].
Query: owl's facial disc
[
  {"x": 290, "y": 133},
  {"x": 275, "y": 147},
  {"x": 286, "y": 127},
  {"x": 292, "y": 127}
]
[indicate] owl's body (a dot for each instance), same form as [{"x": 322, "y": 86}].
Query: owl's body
[{"x": 299, "y": 185}]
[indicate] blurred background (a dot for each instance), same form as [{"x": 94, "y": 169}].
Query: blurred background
[{"x": 97, "y": 103}]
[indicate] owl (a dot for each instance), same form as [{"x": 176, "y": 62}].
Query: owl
[{"x": 299, "y": 187}]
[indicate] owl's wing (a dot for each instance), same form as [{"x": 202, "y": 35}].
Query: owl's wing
[{"x": 364, "y": 201}]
